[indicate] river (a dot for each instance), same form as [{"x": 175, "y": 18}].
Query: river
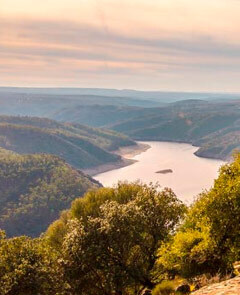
[{"x": 190, "y": 174}]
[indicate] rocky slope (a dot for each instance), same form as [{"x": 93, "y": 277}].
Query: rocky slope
[{"x": 229, "y": 287}]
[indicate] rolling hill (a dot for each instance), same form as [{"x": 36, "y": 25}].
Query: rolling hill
[
  {"x": 82, "y": 147},
  {"x": 44, "y": 104},
  {"x": 101, "y": 115},
  {"x": 35, "y": 189}
]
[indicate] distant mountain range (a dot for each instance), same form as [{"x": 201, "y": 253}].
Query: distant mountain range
[
  {"x": 159, "y": 96},
  {"x": 208, "y": 120}
]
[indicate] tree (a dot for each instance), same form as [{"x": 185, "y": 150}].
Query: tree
[
  {"x": 209, "y": 239},
  {"x": 188, "y": 254},
  {"x": 117, "y": 251},
  {"x": 27, "y": 267},
  {"x": 90, "y": 205}
]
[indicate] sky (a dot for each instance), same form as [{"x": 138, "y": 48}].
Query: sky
[{"x": 173, "y": 45}]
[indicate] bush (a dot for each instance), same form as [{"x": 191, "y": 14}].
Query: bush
[{"x": 165, "y": 288}]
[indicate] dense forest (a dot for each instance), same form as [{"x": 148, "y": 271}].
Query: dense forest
[
  {"x": 81, "y": 146},
  {"x": 35, "y": 189},
  {"x": 130, "y": 239}
]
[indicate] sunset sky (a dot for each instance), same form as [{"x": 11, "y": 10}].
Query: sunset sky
[{"x": 183, "y": 45}]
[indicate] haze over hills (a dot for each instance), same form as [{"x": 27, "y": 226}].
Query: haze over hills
[
  {"x": 42, "y": 105},
  {"x": 163, "y": 96}
]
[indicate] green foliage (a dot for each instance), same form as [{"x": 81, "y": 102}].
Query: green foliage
[
  {"x": 222, "y": 208},
  {"x": 208, "y": 241},
  {"x": 164, "y": 288},
  {"x": 112, "y": 250},
  {"x": 189, "y": 253},
  {"x": 90, "y": 205},
  {"x": 28, "y": 267},
  {"x": 57, "y": 231},
  {"x": 117, "y": 249},
  {"x": 92, "y": 201},
  {"x": 170, "y": 287},
  {"x": 34, "y": 189}
]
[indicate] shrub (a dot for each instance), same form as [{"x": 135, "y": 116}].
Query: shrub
[{"x": 164, "y": 288}]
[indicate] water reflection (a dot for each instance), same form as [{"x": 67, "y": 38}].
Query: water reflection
[{"x": 190, "y": 174}]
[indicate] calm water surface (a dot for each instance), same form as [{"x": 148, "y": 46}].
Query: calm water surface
[{"x": 191, "y": 174}]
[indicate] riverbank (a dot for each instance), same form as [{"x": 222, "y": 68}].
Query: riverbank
[
  {"x": 132, "y": 150},
  {"x": 125, "y": 153},
  {"x": 217, "y": 152}
]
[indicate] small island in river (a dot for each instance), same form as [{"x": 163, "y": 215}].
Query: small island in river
[{"x": 165, "y": 171}]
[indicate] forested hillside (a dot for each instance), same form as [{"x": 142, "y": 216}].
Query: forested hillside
[
  {"x": 81, "y": 146},
  {"x": 130, "y": 239},
  {"x": 35, "y": 189},
  {"x": 100, "y": 115},
  {"x": 215, "y": 127}
]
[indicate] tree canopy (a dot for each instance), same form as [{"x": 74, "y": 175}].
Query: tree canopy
[
  {"x": 208, "y": 240},
  {"x": 115, "y": 245},
  {"x": 27, "y": 267}
]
